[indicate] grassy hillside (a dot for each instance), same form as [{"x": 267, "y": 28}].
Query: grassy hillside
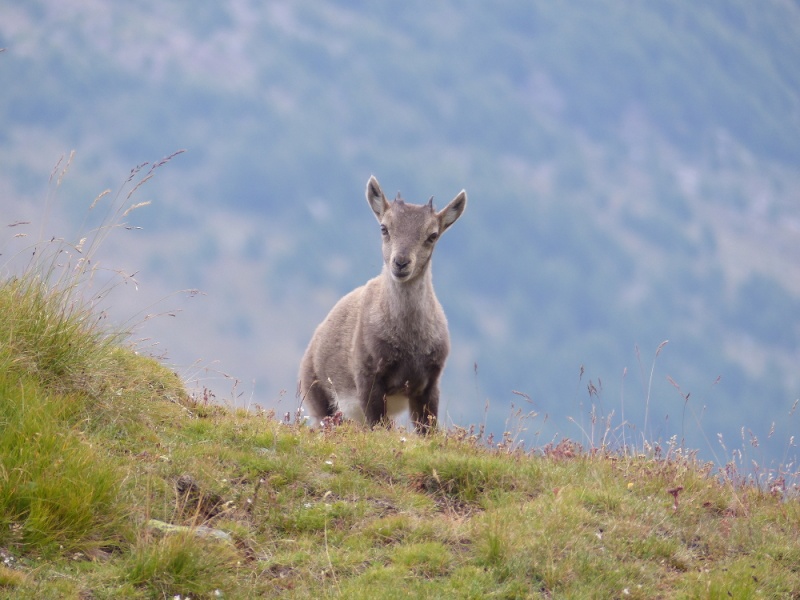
[{"x": 115, "y": 484}]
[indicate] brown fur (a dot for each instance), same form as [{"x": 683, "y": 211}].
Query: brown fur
[{"x": 386, "y": 341}]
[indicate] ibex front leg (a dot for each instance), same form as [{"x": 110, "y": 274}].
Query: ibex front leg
[
  {"x": 372, "y": 392},
  {"x": 424, "y": 409}
]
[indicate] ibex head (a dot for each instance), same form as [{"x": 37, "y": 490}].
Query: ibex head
[{"x": 410, "y": 231}]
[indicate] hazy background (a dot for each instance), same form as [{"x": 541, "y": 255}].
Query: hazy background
[{"x": 632, "y": 171}]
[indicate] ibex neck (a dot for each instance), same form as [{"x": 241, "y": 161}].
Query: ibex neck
[{"x": 407, "y": 299}]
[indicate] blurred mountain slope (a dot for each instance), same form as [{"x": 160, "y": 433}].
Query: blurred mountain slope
[{"x": 632, "y": 173}]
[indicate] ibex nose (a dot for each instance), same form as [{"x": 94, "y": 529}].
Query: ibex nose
[{"x": 401, "y": 262}]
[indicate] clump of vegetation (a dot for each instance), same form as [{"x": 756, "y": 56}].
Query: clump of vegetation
[{"x": 114, "y": 483}]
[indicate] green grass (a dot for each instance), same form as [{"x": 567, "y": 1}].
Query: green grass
[
  {"x": 362, "y": 514},
  {"x": 50, "y": 477},
  {"x": 98, "y": 443}
]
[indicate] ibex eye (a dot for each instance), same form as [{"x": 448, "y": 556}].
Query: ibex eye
[
  {"x": 433, "y": 237},
  {"x": 384, "y": 231}
]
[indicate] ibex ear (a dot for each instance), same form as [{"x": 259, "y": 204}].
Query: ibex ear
[
  {"x": 450, "y": 213},
  {"x": 377, "y": 201}
]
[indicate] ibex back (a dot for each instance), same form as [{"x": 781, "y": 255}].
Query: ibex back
[{"x": 383, "y": 346}]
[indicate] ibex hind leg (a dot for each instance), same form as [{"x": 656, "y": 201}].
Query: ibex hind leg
[{"x": 317, "y": 401}]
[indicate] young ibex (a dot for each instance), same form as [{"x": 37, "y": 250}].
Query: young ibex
[{"x": 383, "y": 346}]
